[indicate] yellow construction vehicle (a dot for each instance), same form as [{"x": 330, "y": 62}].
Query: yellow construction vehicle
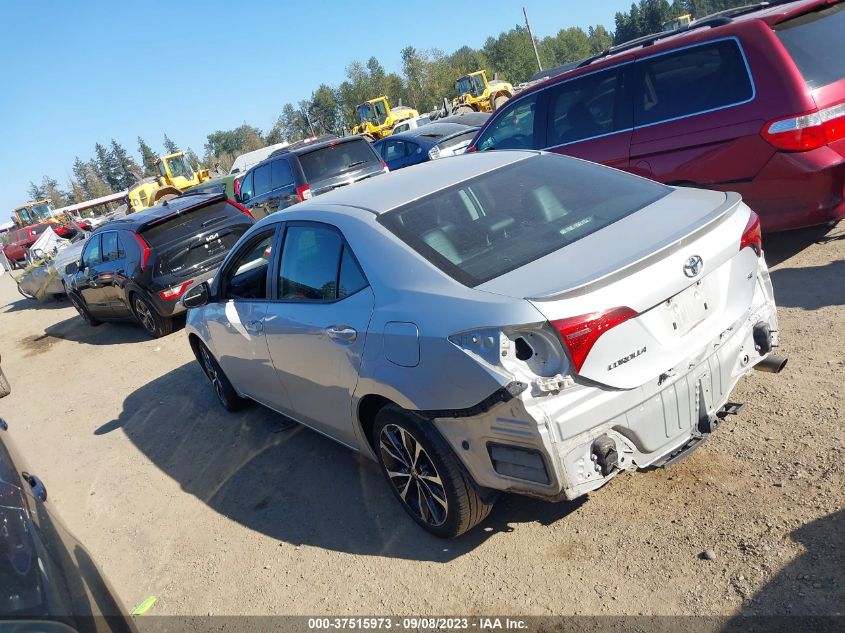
[
  {"x": 33, "y": 213},
  {"x": 476, "y": 94},
  {"x": 175, "y": 175},
  {"x": 377, "y": 118},
  {"x": 677, "y": 23}
]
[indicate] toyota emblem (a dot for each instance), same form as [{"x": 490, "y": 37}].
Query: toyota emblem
[{"x": 693, "y": 266}]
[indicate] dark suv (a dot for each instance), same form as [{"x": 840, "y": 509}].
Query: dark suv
[
  {"x": 303, "y": 170},
  {"x": 138, "y": 266},
  {"x": 749, "y": 100}
]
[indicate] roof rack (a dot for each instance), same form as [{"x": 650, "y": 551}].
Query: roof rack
[{"x": 719, "y": 18}]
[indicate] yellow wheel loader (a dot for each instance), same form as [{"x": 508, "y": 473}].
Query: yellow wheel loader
[
  {"x": 377, "y": 119},
  {"x": 175, "y": 175},
  {"x": 476, "y": 94}
]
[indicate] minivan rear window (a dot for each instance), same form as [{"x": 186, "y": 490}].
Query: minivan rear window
[
  {"x": 487, "y": 226},
  {"x": 815, "y": 42},
  {"x": 336, "y": 159}
]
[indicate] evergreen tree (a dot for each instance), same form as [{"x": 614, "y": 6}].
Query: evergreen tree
[
  {"x": 51, "y": 190},
  {"x": 128, "y": 171},
  {"x": 96, "y": 187},
  {"x": 148, "y": 158},
  {"x": 106, "y": 168},
  {"x": 35, "y": 192},
  {"x": 169, "y": 146}
]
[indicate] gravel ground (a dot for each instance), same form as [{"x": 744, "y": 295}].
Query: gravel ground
[{"x": 234, "y": 514}]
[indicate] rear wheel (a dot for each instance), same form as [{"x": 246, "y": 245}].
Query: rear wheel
[
  {"x": 226, "y": 393},
  {"x": 149, "y": 318},
  {"x": 499, "y": 101},
  {"x": 425, "y": 476},
  {"x": 83, "y": 311}
]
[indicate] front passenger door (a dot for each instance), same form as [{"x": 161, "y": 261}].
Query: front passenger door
[
  {"x": 317, "y": 326},
  {"x": 87, "y": 278},
  {"x": 113, "y": 274}
]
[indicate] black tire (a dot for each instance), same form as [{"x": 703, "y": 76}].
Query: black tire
[
  {"x": 5, "y": 387},
  {"x": 499, "y": 101},
  {"x": 226, "y": 393},
  {"x": 149, "y": 318},
  {"x": 437, "y": 493},
  {"x": 79, "y": 304}
]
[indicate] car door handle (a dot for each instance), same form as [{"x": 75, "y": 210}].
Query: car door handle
[
  {"x": 254, "y": 327},
  {"x": 342, "y": 333},
  {"x": 39, "y": 491}
]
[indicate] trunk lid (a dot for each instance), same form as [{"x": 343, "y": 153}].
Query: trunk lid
[{"x": 639, "y": 263}]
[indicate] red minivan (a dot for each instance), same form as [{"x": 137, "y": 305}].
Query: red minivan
[{"x": 750, "y": 100}]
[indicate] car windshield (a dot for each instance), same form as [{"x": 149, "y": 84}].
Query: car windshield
[
  {"x": 372, "y": 112},
  {"x": 464, "y": 85},
  {"x": 816, "y": 44},
  {"x": 487, "y": 226},
  {"x": 180, "y": 167},
  {"x": 337, "y": 158}
]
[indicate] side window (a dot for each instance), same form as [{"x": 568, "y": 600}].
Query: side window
[
  {"x": 261, "y": 180},
  {"x": 411, "y": 148},
  {"x": 351, "y": 278},
  {"x": 582, "y": 108},
  {"x": 691, "y": 81},
  {"x": 394, "y": 150},
  {"x": 247, "y": 190},
  {"x": 281, "y": 176},
  {"x": 310, "y": 259},
  {"x": 91, "y": 255},
  {"x": 112, "y": 247},
  {"x": 246, "y": 276},
  {"x": 513, "y": 128}
]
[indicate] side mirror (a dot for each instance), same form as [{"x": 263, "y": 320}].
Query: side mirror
[
  {"x": 197, "y": 296},
  {"x": 72, "y": 268}
]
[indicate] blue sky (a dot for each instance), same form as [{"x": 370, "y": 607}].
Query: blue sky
[{"x": 80, "y": 72}]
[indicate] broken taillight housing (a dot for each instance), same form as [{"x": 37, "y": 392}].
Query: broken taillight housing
[
  {"x": 752, "y": 235},
  {"x": 580, "y": 333}
]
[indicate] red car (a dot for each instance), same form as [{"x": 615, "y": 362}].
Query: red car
[
  {"x": 749, "y": 100},
  {"x": 18, "y": 241}
]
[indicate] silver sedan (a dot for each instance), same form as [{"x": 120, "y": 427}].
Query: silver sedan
[{"x": 507, "y": 321}]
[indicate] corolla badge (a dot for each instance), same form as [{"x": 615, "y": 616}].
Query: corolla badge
[{"x": 693, "y": 266}]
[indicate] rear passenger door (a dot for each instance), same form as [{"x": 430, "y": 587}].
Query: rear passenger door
[
  {"x": 590, "y": 117},
  {"x": 694, "y": 118},
  {"x": 395, "y": 153},
  {"x": 283, "y": 184},
  {"x": 317, "y": 325}
]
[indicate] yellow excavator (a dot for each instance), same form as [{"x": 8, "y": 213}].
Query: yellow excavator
[
  {"x": 175, "y": 175},
  {"x": 378, "y": 119},
  {"x": 476, "y": 94}
]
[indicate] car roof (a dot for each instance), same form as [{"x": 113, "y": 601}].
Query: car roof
[
  {"x": 384, "y": 193},
  {"x": 432, "y": 129},
  {"x": 134, "y": 221}
]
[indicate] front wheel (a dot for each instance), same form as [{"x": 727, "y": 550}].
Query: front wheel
[
  {"x": 425, "y": 476},
  {"x": 83, "y": 311},
  {"x": 499, "y": 101},
  {"x": 155, "y": 324}
]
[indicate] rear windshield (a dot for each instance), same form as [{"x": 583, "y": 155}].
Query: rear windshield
[
  {"x": 189, "y": 223},
  {"x": 817, "y": 45},
  {"x": 487, "y": 226},
  {"x": 185, "y": 260},
  {"x": 333, "y": 160}
]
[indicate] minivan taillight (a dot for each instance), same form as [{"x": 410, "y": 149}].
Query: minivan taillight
[
  {"x": 304, "y": 192},
  {"x": 752, "y": 235},
  {"x": 580, "y": 333},
  {"x": 807, "y": 131},
  {"x": 145, "y": 250},
  {"x": 241, "y": 208}
]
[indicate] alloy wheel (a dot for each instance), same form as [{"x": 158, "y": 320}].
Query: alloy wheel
[
  {"x": 413, "y": 474},
  {"x": 144, "y": 315}
]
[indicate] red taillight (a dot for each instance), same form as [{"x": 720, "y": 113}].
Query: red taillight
[
  {"x": 304, "y": 192},
  {"x": 241, "y": 208},
  {"x": 384, "y": 167},
  {"x": 752, "y": 235},
  {"x": 175, "y": 292},
  {"x": 807, "y": 131},
  {"x": 145, "y": 250},
  {"x": 580, "y": 333}
]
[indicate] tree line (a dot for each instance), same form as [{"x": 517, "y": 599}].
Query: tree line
[{"x": 425, "y": 78}]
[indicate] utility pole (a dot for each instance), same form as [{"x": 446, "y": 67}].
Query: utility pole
[{"x": 533, "y": 42}]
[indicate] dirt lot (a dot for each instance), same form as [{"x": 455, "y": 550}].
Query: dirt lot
[{"x": 232, "y": 514}]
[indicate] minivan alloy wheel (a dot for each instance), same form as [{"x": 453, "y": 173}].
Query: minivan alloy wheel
[{"x": 413, "y": 474}]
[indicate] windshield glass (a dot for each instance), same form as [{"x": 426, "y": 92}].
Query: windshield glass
[
  {"x": 364, "y": 113},
  {"x": 464, "y": 85},
  {"x": 336, "y": 159},
  {"x": 33, "y": 214},
  {"x": 180, "y": 167},
  {"x": 478, "y": 84},
  {"x": 816, "y": 44},
  {"x": 492, "y": 224}
]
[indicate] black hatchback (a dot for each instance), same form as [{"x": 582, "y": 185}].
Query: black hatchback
[
  {"x": 306, "y": 169},
  {"x": 138, "y": 266}
]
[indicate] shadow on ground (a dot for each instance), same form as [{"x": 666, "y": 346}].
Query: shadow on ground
[
  {"x": 110, "y": 333},
  {"x": 288, "y": 482},
  {"x": 781, "y": 246},
  {"x": 23, "y": 303},
  {"x": 814, "y": 583}
]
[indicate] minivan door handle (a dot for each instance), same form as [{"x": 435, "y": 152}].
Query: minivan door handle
[
  {"x": 342, "y": 333},
  {"x": 254, "y": 327}
]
